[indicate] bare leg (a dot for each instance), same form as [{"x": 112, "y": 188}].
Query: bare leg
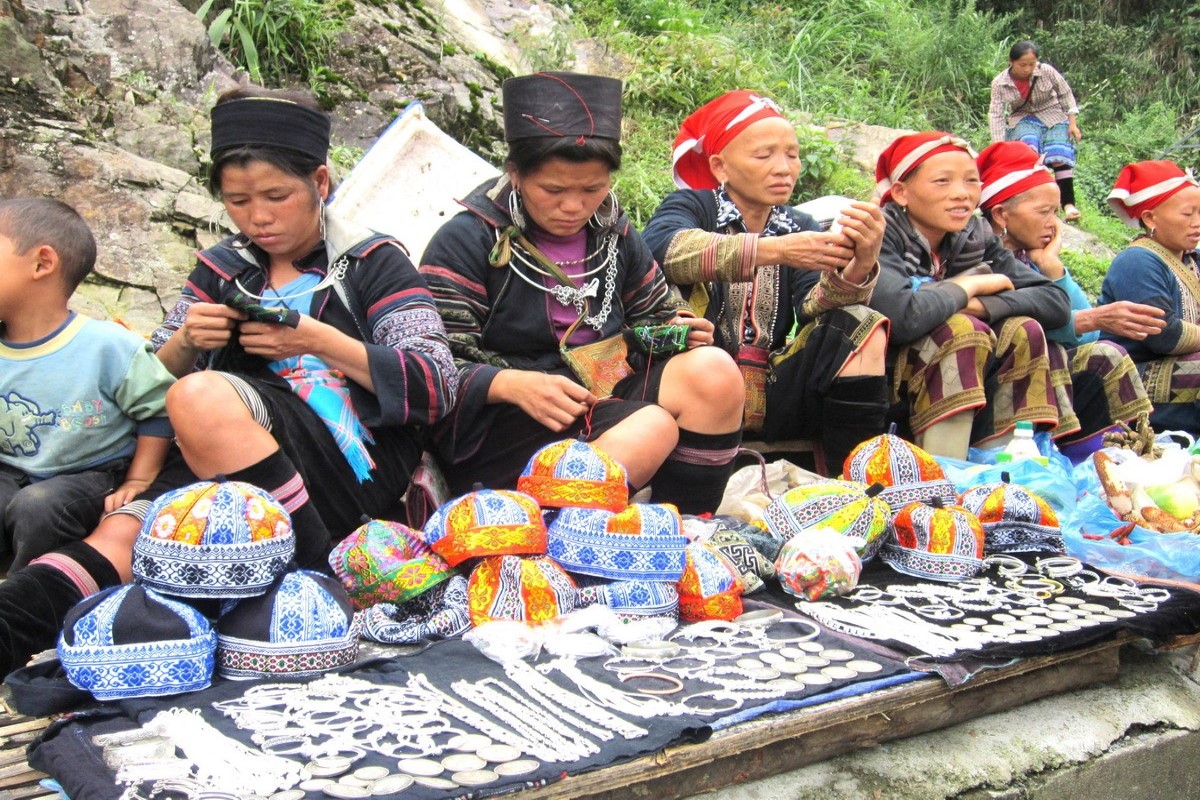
[
  {"x": 214, "y": 428},
  {"x": 113, "y": 539},
  {"x": 870, "y": 358},
  {"x": 641, "y": 442},
  {"x": 704, "y": 391},
  {"x": 950, "y": 437}
]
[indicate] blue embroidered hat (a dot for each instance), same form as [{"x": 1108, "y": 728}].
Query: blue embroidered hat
[
  {"x": 130, "y": 641},
  {"x": 213, "y": 539},
  {"x": 642, "y": 542},
  {"x": 633, "y": 599},
  {"x": 1014, "y": 519},
  {"x": 303, "y": 625},
  {"x": 440, "y": 613}
]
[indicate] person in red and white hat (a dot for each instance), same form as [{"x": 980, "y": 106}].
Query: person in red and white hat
[
  {"x": 1160, "y": 268},
  {"x": 968, "y": 319},
  {"x": 1020, "y": 199},
  {"x": 756, "y": 267}
]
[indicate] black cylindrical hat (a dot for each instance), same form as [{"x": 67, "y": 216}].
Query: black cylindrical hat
[{"x": 558, "y": 104}]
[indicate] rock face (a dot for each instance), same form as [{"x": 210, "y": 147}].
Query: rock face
[{"x": 104, "y": 104}]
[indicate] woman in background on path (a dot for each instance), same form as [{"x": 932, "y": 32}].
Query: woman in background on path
[
  {"x": 1020, "y": 200},
  {"x": 1161, "y": 268},
  {"x": 539, "y": 281},
  {"x": 1032, "y": 103},
  {"x": 968, "y": 354},
  {"x": 756, "y": 268}
]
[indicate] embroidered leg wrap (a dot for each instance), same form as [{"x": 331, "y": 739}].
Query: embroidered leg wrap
[
  {"x": 35, "y": 600},
  {"x": 854, "y": 411},
  {"x": 694, "y": 476},
  {"x": 277, "y": 475}
]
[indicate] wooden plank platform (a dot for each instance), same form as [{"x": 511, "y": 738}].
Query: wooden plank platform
[{"x": 757, "y": 749}]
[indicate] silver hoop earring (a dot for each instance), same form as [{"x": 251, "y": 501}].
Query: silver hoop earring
[
  {"x": 1004, "y": 233},
  {"x": 1151, "y": 234},
  {"x": 321, "y": 217},
  {"x": 516, "y": 208},
  {"x": 608, "y": 213}
]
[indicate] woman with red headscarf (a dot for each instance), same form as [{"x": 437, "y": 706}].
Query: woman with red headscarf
[
  {"x": 756, "y": 268},
  {"x": 969, "y": 357},
  {"x": 1019, "y": 199},
  {"x": 1160, "y": 269}
]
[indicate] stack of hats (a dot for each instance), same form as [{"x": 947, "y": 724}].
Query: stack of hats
[
  {"x": 710, "y": 587},
  {"x": 386, "y": 562},
  {"x": 1014, "y": 519},
  {"x": 848, "y": 507},
  {"x": 131, "y": 641},
  {"x": 574, "y": 474},
  {"x": 935, "y": 542},
  {"x": 486, "y": 523},
  {"x": 304, "y": 624},
  {"x": 908, "y": 473}
]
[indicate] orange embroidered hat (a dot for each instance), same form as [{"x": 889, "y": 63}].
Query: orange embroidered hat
[
  {"x": 935, "y": 542},
  {"x": 530, "y": 590},
  {"x": 710, "y": 587},
  {"x": 486, "y": 522},
  {"x": 1007, "y": 169},
  {"x": 573, "y": 473},
  {"x": 1014, "y": 519},
  {"x": 908, "y": 473}
]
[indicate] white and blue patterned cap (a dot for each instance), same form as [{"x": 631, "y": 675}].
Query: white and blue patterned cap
[
  {"x": 219, "y": 539},
  {"x": 643, "y": 542},
  {"x": 303, "y": 625},
  {"x": 636, "y": 599},
  {"x": 130, "y": 641}
]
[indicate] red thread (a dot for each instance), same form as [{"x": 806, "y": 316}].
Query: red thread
[{"x": 587, "y": 109}]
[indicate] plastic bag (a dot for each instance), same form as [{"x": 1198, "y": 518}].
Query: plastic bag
[
  {"x": 820, "y": 563},
  {"x": 751, "y": 489}
]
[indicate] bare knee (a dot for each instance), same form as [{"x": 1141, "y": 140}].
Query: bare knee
[
  {"x": 870, "y": 359},
  {"x": 704, "y": 384},
  {"x": 202, "y": 400}
]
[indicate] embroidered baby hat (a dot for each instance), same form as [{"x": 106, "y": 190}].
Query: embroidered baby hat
[
  {"x": 519, "y": 589},
  {"x": 1144, "y": 185},
  {"x": 632, "y": 599},
  {"x": 908, "y": 473},
  {"x": 576, "y": 474},
  {"x": 710, "y": 587},
  {"x": 1014, "y": 519},
  {"x": 131, "y": 641},
  {"x": 386, "y": 562},
  {"x": 440, "y": 613},
  {"x": 486, "y": 522},
  {"x": 213, "y": 539},
  {"x": 850, "y": 508},
  {"x": 642, "y": 542},
  {"x": 935, "y": 542},
  {"x": 304, "y": 624}
]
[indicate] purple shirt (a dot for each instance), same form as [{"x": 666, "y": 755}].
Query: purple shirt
[{"x": 568, "y": 252}]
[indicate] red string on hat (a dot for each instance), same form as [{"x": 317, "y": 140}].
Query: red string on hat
[{"x": 582, "y": 140}]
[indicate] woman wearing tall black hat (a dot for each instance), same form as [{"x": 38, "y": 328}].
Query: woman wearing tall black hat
[
  {"x": 309, "y": 354},
  {"x": 542, "y": 283}
]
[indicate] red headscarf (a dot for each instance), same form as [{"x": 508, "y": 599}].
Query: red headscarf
[
  {"x": 1143, "y": 186},
  {"x": 1007, "y": 170},
  {"x": 710, "y": 129},
  {"x": 908, "y": 152}
]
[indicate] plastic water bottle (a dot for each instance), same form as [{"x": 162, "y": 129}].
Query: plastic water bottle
[{"x": 1021, "y": 446}]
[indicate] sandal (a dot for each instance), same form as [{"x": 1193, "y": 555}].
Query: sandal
[{"x": 1070, "y": 213}]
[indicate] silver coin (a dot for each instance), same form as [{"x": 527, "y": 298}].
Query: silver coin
[
  {"x": 392, "y": 784},
  {"x": 332, "y": 762},
  {"x": 772, "y": 658},
  {"x": 1041, "y": 633},
  {"x": 814, "y": 679},
  {"x": 1020, "y": 625},
  {"x": 1121, "y": 613},
  {"x": 863, "y": 666},
  {"x": 792, "y": 652},
  {"x": 289, "y": 794},
  {"x": 786, "y": 684},
  {"x": 1071, "y": 601},
  {"x": 763, "y": 674},
  {"x": 1024, "y": 638},
  {"x": 463, "y": 762},
  {"x": 838, "y": 672},
  {"x": 1059, "y": 616},
  {"x": 475, "y": 777},
  {"x": 791, "y": 668},
  {"x": 810, "y": 647},
  {"x": 371, "y": 773},
  {"x": 327, "y": 772},
  {"x": 1065, "y": 627},
  {"x": 1085, "y": 621},
  {"x": 1101, "y": 618},
  {"x": 1038, "y": 620},
  {"x": 815, "y": 661},
  {"x": 976, "y": 621},
  {"x": 1058, "y": 606},
  {"x": 522, "y": 767},
  {"x": 468, "y": 742},
  {"x": 837, "y": 655},
  {"x": 431, "y": 782},
  {"x": 1019, "y": 612},
  {"x": 420, "y": 767},
  {"x": 1003, "y": 630},
  {"x": 353, "y": 780},
  {"x": 314, "y": 784},
  {"x": 749, "y": 663},
  {"x": 499, "y": 752},
  {"x": 1004, "y": 618},
  {"x": 961, "y": 626},
  {"x": 1094, "y": 607},
  {"x": 346, "y": 791}
]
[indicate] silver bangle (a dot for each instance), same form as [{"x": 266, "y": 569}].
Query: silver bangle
[
  {"x": 676, "y": 685},
  {"x": 814, "y": 632}
]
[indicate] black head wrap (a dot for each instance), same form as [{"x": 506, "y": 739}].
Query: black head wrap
[
  {"x": 560, "y": 104},
  {"x": 270, "y": 122}
]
